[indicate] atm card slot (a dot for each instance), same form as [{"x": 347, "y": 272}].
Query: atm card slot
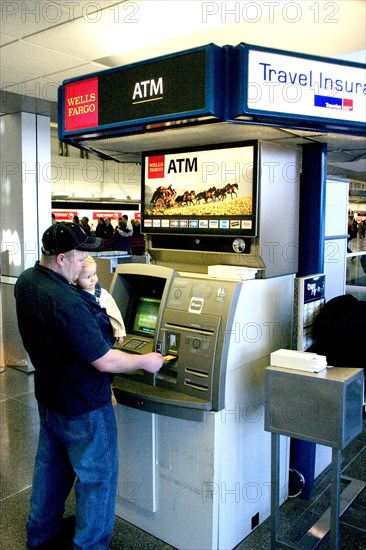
[
  {"x": 197, "y": 372},
  {"x": 195, "y": 386}
]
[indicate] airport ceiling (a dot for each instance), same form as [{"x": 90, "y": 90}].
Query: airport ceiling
[{"x": 44, "y": 42}]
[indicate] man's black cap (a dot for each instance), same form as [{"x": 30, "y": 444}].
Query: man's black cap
[{"x": 64, "y": 236}]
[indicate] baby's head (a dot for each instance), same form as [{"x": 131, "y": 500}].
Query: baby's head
[{"x": 88, "y": 277}]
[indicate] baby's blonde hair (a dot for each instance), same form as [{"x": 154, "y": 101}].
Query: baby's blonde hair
[{"x": 90, "y": 261}]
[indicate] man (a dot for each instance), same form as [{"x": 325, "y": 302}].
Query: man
[
  {"x": 107, "y": 234},
  {"x": 73, "y": 363},
  {"x": 108, "y": 229},
  {"x": 124, "y": 227}
]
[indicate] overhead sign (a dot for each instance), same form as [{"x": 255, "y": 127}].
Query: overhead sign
[
  {"x": 288, "y": 85},
  {"x": 186, "y": 84},
  {"x": 81, "y": 104}
]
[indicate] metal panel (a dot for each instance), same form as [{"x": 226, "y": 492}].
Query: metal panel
[
  {"x": 136, "y": 433},
  {"x": 323, "y": 408}
]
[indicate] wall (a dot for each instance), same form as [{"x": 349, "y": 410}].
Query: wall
[{"x": 91, "y": 178}]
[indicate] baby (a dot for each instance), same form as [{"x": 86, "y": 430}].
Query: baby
[{"x": 87, "y": 284}]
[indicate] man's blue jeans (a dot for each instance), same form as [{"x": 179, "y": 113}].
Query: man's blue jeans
[{"x": 75, "y": 447}]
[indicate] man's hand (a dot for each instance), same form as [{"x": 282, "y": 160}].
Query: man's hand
[
  {"x": 153, "y": 361},
  {"x": 116, "y": 361}
]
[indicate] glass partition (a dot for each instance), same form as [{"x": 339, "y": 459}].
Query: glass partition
[{"x": 356, "y": 268}]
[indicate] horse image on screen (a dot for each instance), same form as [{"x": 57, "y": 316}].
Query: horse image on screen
[{"x": 206, "y": 190}]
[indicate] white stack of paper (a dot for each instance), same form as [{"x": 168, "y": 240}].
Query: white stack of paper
[
  {"x": 232, "y": 272},
  {"x": 298, "y": 360}
]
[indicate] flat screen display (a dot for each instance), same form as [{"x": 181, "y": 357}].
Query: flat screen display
[
  {"x": 209, "y": 190},
  {"x": 146, "y": 316}
]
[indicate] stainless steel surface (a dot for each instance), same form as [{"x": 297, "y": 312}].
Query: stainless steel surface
[
  {"x": 321, "y": 408},
  {"x": 324, "y": 407}
]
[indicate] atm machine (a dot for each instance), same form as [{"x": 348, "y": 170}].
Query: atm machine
[
  {"x": 194, "y": 456},
  {"x": 195, "y": 460}
]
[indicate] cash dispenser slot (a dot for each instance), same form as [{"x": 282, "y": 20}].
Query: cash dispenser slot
[{"x": 196, "y": 372}]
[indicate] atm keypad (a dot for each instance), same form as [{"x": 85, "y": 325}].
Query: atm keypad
[{"x": 135, "y": 344}]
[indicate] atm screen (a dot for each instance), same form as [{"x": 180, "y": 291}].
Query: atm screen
[{"x": 146, "y": 316}]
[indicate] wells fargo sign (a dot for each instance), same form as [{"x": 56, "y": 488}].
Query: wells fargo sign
[
  {"x": 81, "y": 104},
  {"x": 166, "y": 88}
]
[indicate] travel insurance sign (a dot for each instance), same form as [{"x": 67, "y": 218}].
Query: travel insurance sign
[{"x": 288, "y": 85}]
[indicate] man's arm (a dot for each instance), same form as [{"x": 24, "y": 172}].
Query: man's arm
[{"x": 115, "y": 361}]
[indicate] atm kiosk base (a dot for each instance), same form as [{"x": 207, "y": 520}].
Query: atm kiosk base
[
  {"x": 205, "y": 485},
  {"x": 199, "y": 485}
]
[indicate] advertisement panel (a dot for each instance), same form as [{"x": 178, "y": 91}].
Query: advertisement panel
[{"x": 205, "y": 191}]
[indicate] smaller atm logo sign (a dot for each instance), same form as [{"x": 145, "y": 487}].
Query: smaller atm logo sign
[
  {"x": 336, "y": 103},
  {"x": 81, "y": 104},
  {"x": 156, "y": 167}
]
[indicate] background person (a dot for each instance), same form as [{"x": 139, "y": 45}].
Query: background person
[
  {"x": 108, "y": 231},
  {"x": 138, "y": 239},
  {"x": 122, "y": 236},
  {"x": 84, "y": 222},
  {"x": 99, "y": 230},
  {"x": 73, "y": 362},
  {"x": 124, "y": 226}
]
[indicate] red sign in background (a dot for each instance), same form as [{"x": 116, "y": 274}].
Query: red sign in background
[
  {"x": 81, "y": 104},
  {"x": 111, "y": 215},
  {"x": 65, "y": 216}
]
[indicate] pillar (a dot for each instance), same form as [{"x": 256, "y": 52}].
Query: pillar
[
  {"x": 25, "y": 210},
  {"x": 311, "y": 262}
]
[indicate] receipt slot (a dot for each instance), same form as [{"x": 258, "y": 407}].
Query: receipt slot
[{"x": 195, "y": 468}]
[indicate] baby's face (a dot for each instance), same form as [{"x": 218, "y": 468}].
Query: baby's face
[{"x": 88, "y": 277}]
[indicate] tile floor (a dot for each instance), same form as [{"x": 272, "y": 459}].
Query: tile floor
[{"x": 19, "y": 426}]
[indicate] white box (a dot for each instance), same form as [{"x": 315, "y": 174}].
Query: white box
[{"x": 298, "y": 360}]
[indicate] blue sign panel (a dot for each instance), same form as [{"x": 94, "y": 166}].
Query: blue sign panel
[{"x": 297, "y": 91}]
